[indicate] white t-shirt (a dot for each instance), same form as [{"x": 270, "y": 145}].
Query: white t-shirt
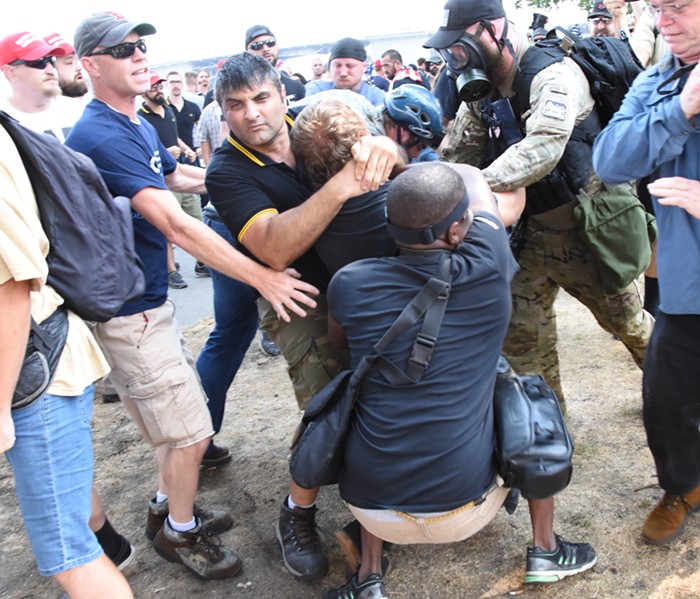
[{"x": 56, "y": 120}]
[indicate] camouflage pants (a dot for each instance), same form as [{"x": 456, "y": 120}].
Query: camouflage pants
[
  {"x": 311, "y": 360},
  {"x": 549, "y": 260}
]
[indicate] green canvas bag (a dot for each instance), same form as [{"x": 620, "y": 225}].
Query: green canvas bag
[{"x": 619, "y": 232}]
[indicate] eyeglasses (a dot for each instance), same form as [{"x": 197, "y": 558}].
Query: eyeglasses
[
  {"x": 35, "y": 64},
  {"x": 670, "y": 11},
  {"x": 156, "y": 87},
  {"x": 601, "y": 20},
  {"x": 124, "y": 50},
  {"x": 257, "y": 46}
]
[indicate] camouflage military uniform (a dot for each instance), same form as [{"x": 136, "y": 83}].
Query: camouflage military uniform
[
  {"x": 553, "y": 255},
  {"x": 312, "y": 360}
]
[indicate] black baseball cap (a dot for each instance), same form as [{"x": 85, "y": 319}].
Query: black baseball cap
[
  {"x": 460, "y": 14},
  {"x": 599, "y": 10},
  {"x": 256, "y": 31}
]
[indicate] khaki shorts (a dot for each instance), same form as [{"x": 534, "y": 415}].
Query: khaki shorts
[
  {"x": 154, "y": 374},
  {"x": 190, "y": 204},
  {"x": 439, "y": 527}
]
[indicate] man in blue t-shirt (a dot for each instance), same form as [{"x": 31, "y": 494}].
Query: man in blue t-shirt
[
  {"x": 152, "y": 370},
  {"x": 418, "y": 464}
]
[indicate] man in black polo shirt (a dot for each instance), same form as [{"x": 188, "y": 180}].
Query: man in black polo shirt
[
  {"x": 186, "y": 113},
  {"x": 261, "y": 41},
  {"x": 260, "y": 196},
  {"x": 187, "y": 116},
  {"x": 156, "y": 111}
]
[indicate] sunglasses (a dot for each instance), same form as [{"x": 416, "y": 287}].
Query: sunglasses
[
  {"x": 601, "y": 20},
  {"x": 156, "y": 87},
  {"x": 271, "y": 43},
  {"x": 35, "y": 64},
  {"x": 124, "y": 50}
]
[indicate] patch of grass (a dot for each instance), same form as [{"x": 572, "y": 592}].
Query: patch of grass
[
  {"x": 632, "y": 411},
  {"x": 646, "y": 503},
  {"x": 586, "y": 450}
]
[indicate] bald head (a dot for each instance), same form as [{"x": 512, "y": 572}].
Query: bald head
[{"x": 424, "y": 195}]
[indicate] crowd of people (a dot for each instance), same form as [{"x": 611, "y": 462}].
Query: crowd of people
[{"x": 319, "y": 209}]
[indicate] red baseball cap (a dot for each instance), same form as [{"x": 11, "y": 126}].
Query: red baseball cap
[
  {"x": 155, "y": 78},
  {"x": 25, "y": 46},
  {"x": 56, "y": 39}
]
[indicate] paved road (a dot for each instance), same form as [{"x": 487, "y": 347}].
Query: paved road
[{"x": 195, "y": 301}]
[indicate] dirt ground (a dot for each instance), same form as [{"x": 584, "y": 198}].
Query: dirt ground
[{"x": 605, "y": 504}]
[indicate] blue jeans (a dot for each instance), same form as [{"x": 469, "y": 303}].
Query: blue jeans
[
  {"x": 52, "y": 462},
  {"x": 235, "y": 324}
]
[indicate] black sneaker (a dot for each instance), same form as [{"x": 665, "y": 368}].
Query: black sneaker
[
  {"x": 217, "y": 521},
  {"x": 268, "y": 346},
  {"x": 175, "y": 280},
  {"x": 350, "y": 540},
  {"x": 301, "y": 545},
  {"x": 125, "y": 555},
  {"x": 199, "y": 550},
  {"x": 215, "y": 455},
  {"x": 566, "y": 560},
  {"x": 371, "y": 588},
  {"x": 201, "y": 270}
]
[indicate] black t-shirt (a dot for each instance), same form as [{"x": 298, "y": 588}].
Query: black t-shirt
[
  {"x": 186, "y": 120},
  {"x": 165, "y": 126},
  {"x": 358, "y": 231},
  {"x": 445, "y": 90},
  {"x": 243, "y": 184},
  {"x": 295, "y": 90},
  {"x": 426, "y": 447}
]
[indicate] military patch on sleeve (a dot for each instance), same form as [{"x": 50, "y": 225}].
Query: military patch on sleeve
[{"x": 555, "y": 110}]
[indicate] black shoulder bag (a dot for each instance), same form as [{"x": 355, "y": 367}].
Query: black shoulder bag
[
  {"x": 319, "y": 442},
  {"x": 533, "y": 446},
  {"x": 44, "y": 347}
]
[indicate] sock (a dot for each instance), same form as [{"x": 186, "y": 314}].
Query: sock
[
  {"x": 160, "y": 498},
  {"x": 291, "y": 505},
  {"x": 178, "y": 527},
  {"x": 109, "y": 539}
]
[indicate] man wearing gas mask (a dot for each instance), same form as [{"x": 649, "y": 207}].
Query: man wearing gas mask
[{"x": 527, "y": 142}]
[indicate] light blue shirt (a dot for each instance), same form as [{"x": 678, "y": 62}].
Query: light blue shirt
[
  {"x": 650, "y": 136},
  {"x": 373, "y": 94}
]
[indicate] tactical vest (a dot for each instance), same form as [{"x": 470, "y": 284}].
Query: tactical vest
[{"x": 573, "y": 170}]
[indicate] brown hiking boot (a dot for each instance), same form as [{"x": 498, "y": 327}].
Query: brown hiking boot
[
  {"x": 668, "y": 518},
  {"x": 217, "y": 521},
  {"x": 198, "y": 550}
]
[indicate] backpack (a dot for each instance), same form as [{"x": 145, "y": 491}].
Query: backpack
[
  {"x": 92, "y": 261},
  {"x": 609, "y": 64}
]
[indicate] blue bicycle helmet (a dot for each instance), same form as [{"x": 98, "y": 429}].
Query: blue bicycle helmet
[{"x": 414, "y": 107}]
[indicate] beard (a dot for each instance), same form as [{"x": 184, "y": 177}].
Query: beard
[
  {"x": 157, "y": 99},
  {"x": 73, "y": 89}
]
